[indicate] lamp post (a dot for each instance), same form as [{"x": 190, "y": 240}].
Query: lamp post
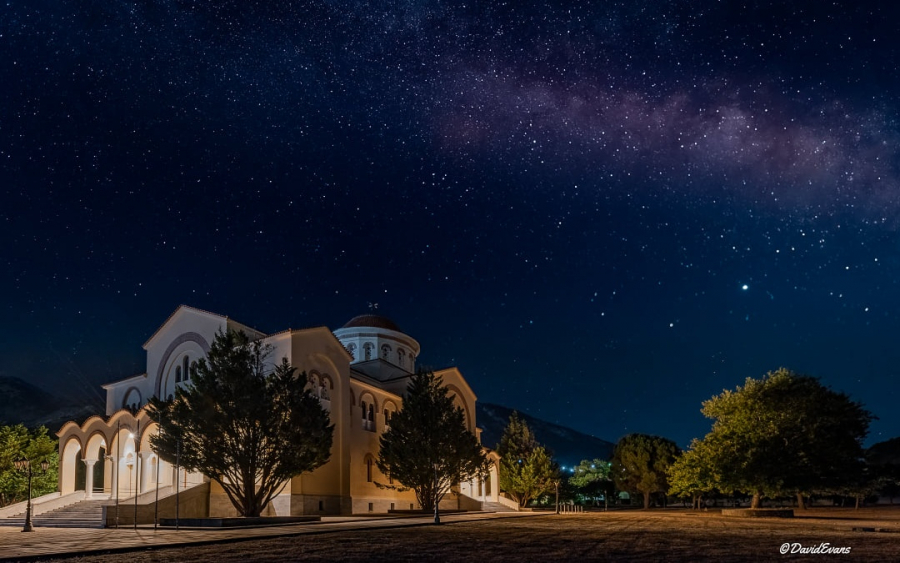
[
  {"x": 437, "y": 514},
  {"x": 557, "y": 496},
  {"x": 24, "y": 465}
]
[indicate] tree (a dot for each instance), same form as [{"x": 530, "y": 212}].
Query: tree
[
  {"x": 784, "y": 434},
  {"x": 592, "y": 478},
  {"x": 17, "y": 442},
  {"x": 640, "y": 463},
  {"x": 428, "y": 448},
  {"x": 690, "y": 476},
  {"x": 527, "y": 470},
  {"x": 246, "y": 426}
]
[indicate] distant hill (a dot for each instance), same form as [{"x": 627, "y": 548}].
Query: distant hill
[
  {"x": 23, "y": 403},
  {"x": 569, "y": 446}
]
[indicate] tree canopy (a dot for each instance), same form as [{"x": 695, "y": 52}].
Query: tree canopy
[
  {"x": 690, "y": 476},
  {"x": 428, "y": 447},
  {"x": 640, "y": 464},
  {"x": 17, "y": 442},
  {"x": 593, "y": 478},
  {"x": 245, "y": 425},
  {"x": 780, "y": 435},
  {"x": 527, "y": 470}
]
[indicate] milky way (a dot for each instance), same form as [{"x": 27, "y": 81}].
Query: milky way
[{"x": 603, "y": 213}]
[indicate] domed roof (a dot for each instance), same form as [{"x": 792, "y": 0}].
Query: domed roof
[{"x": 374, "y": 321}]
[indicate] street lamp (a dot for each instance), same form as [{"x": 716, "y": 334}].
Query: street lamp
[
  {"x": 437, "y": 515},
  {"x": 557, "y": 496},
  {"x": 24, "y": 465}
]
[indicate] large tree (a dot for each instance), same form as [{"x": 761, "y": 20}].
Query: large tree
[
  {"x": 593, "y": 478},
  {"x": 428, "y": 448},
  {"x": 17, "y": 442},
  {"x": 527, "y": 470},
  {"x": 246, "y": 425},
  {"x": 784, "y": 434},
  {"x": 640, "y": 464},
  {"x": 691, "y": 475}
]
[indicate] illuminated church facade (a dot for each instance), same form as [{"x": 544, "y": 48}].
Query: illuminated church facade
[{"x": 359, "y": 372}]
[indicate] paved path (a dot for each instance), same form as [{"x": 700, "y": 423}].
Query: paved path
[{"x": 44, "y": 543}]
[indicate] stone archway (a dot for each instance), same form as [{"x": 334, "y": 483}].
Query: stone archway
[{"x": 69, "y": 463}]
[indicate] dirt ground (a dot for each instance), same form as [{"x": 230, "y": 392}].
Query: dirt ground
[{"x": 643, "y": 536}]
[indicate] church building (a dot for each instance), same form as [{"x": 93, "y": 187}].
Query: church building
[{"x": 359, "y": 372}]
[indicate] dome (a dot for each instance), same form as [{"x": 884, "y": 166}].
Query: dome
[{"x": 374, "y": 321}]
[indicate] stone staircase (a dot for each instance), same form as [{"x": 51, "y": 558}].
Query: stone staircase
[
  {"x": 495, "y": 507},
  {"x": 84, "y": 514}
]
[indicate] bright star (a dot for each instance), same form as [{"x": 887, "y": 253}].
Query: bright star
[{"x": 745, "y": 287}]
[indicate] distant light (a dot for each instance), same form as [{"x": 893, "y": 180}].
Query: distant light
[{"x": 745, "y": 287}]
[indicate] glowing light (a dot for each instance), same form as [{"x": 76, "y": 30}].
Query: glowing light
[{"x": 745, "y": 287}]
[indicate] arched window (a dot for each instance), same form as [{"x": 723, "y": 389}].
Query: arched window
[
  {"x": 186, "y": 369},
  {"x": 401, "y": 356},
  {"x": 177, "y": 374},
  {"x": 367, "y": 350},
  {"x": 352, "y": 349},
  {"x": 385, "y": 351},
  {"x": 364, "y": 411},
  {"x": 371, "y": 418}
]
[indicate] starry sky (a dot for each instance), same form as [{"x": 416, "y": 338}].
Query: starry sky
[{"x": 603, "y": 212}]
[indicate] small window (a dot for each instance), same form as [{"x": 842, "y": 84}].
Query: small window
[
  {"x": 392, "y": 506},
  {"x": 368, "y": 470},
  {"x": 186, "y": 368},
  {"x": 385, "y": 352},
  {"x": 371, "y": 507},
  {"x": 321, "y": 506},
  {"x": 367, "y": 349},
  {"x": 364, "y": 411},
  {"x": 177, "y": 374}
]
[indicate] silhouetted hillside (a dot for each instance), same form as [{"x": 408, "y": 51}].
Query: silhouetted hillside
[
  {"x": 23, "y": 403},
  {"x": 569, "y": 446}
]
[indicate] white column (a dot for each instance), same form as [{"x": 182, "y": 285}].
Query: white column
[
  {"x": 89, "y": 477},
  {"x": 114, "y": 475},
  {"x": 146, "y": 483}
]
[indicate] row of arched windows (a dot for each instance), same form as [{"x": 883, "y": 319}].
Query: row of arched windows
[
  {"x": 183, "y": 372},
  {"x": 401, "y": 358},
  {"x": 368, "y": 416}
]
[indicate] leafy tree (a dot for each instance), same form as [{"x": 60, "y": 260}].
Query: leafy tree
[
  {"x": 428, "y": 448},
  {"x": 690, "y": 476},
  {"x": 527, "y": 470},
  {"x": 784, "y": 434},
  {"x": 246, "y": 426},
  {"x": 17, "y": 442},
  {"x": 640, "y": 463},
  {"x": 593, "y": 478}
]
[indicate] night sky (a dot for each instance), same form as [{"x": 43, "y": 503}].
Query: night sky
[{"x": 603, "y": 212}]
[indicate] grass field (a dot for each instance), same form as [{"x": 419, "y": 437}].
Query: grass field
[{"x": 654, "y": 535}]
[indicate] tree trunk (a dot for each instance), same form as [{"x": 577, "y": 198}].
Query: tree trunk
[
  {"x": 754, "y": 503},
  {"x": 800, "y": 502},
  {"x": 857, "y": 502},
  {"x": 646, "y": 501}
]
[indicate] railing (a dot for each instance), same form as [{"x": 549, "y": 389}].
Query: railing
[
  {"x": 42, "y": 504},
  {"x": 508, "y": 503}
]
